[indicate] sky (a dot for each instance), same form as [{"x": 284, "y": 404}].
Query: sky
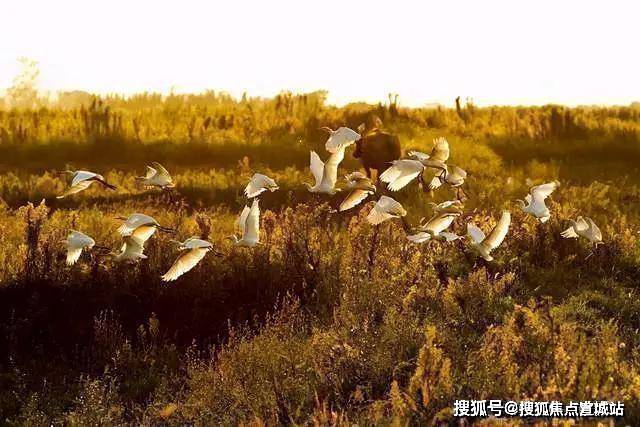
[{"x": 496, "y": 52}]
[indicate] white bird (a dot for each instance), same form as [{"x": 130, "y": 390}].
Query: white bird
[
  {"x": 194, "y": 251},
  {"x": 157, "y": 176},
  {"x": 132, "y": 250},
  {"x": 325, "y": 174},
  {"x": 583, "y": 227},
  {"x": 384, "y": 209},
  {"x": 403, "y": 171},
  {"x": 453, "y": 175},
  {"x": 81, "y": 180},
  {"x": 361, "y": 187},
  {"x": 249, "y": 226},
  {"x": 449, "y": 207},
  {"x": 340, "y": 138},
  {"x": 482, "y": 245},
  {"x": 534, "y": 202},
  {"x": 258, "y": 184},
  {"x": 76, "y": 242},
  {"x": 435, "y": 229},
  {"x": 137, "y": 221}
]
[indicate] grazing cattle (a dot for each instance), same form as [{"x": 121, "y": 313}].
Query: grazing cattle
[{"x": 376, "y": 149}]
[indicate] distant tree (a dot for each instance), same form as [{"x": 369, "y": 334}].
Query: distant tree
[{"x": 23, "y": 93}]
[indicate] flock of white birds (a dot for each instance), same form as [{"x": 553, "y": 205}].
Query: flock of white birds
[{"x": 430, "y": 170}]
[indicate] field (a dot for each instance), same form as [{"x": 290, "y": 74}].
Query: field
[{"x": 332, "y": 320}]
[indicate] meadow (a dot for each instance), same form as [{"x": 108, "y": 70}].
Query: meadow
[{"x": 332, "y": 321}]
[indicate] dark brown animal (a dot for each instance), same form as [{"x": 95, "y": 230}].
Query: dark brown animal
[{"x": 376, "y": 149}]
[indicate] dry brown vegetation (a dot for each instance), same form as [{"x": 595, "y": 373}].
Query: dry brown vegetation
[{"x": 333, "y": 320}]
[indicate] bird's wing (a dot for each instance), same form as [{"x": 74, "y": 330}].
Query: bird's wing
[
  {"x": 73, "y": 254},
  {"x": 418, "y": 155},
  {"x": 595, "y": 230},
  {"x": 252, "y": 227},
  {"x": 353, "y": 199},
  {"x": 440, "y": 150},
  {"x": 355, "y": 176},
  {"x": 132, "y": 246},
  {"x": 143, "y": 233},
  {"x": 435, "y": 182},
  {"x": 475, "y": 233},
  {"x": 569, "y": 233},
  {"x": 242, "y": 219},
  {"x": 330, "y": 173},
  {"x": 195, "y": 243},
  {"x": 420, "y": 237},
  {"x": 75, "y": 188},
  {"x": 151, "y": 172},
  {"x": 317, "y": 167},
  {"x": 581, "y": 224},
  {"x": 134, "y": 221},
  {"x": 449, "y": 236},
  {"x": 378, "y": 215},
  {"x": 160, "y": 169},
  {"x": 497, "y": 235},
  {"x": 541, "y": 192},
  {"x": 458, "y": 171},
  {"x": 184, "y": 263},
  {"x": 439, "y": 223},
  {"x": 341, "y": 138},
  {"x": 82, "y": 176},
  {"x": 257, "y": 185},
  {"x": 401, "y": 173}
]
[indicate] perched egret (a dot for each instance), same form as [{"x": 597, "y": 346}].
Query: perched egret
[
  {"x": 194, "y": 249},
  {"x": 435, "y": 229},
  {"x": 258, "y": 184},
  {"x": 453, "y": 175},
  {"x": 340, "y": 138},
  {"x": 249, "y": 226},
  {"x": 482, "y": 245},
  {"x": 131, "y": 251},
  {"x": 76, "y": 242},
  {"x": 534, "y": 202},
  {"x": 81, "y": 180},
  {"x": 361, "y": 187},
  {"x": 584, "y": 227},
  {"x": 325, "y": 174},
  {"x": 157, "y": 176},
  {"x": 384, "y": 209},
  {"x": 447, "y": 207}
]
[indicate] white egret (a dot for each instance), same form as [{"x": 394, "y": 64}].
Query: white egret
[
  {"x": 584, "y": 227},
  {"x": 361, "y": 187},
  {"x": 435, "y": 229},
  {"x": 157, "y": 176},
  {"x": 534, "y": 202},
  {"x": 81, "y": 180},
  {"x": 403, "y": 171},
  {"x": 340, "y": 138},
  {"x": 249, "y": 226},
  {"x": 325, "y": 174},
  {"x": 76, "y": 242},
  {"x": 384, "y": 209},
  {"x": 484, "y": 245},
  {"x": 447, "y": 207},
  {"x": 258, "y": 184},
  {"x": 132, "y": 250},
  {"x": 194, "y": 250},
  {"x": 142, "y": 224},
  {"x": 452, "y": 175}
]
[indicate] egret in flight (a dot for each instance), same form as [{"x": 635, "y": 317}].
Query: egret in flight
[
  {"x": 81, "y": 180},
  {"x": 435, "y": 229},
  {"x": 157, "y": 176},
  {"x": 361, "y": 187},
  {"x": 132, "y": 250},
  {"x": 447, "y": 207},
  {"x": 325, "y": 174},
  {"x": 484, "y": 245},
  {"x": 584, "y": 227},
  {"x": 340, "y": 138},
  {"x": 76, "y": 242},
  {"x": 452, "y": 175},
  {"x": 194, "y": 250},
  {"x": 384, "y": 209},
  {"x": 249, "y": 226},
  {"x": 534, "y": 202},
  {"x": 258, "y": 184}
]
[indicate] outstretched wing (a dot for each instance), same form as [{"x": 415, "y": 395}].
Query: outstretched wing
[
  {"x": 330, "y": 173},
  {"x": 418, "y": 155},
  {"x": 252, "y": 227},
  {"x": 540, "y": 192},
  {"x": 75, "y": 188},
  {"x": 317, "y": 167},
  {"x": 151, "y": 172},
  {"x": 497, "y": 235},
  {"x": 258, "y": 184},
  {"x": 420, "y": 237},
  {"x": 160, "y": 169},
  {"x": 439, "y": 223},
  {"x": 353, "y": 199},
  {"x": 242, "y": 219},
  {"x": 440, "y": 150},
  {"x": 475, "y": 233},
  {"x": 341, "y": 138},
  {"x": 401, "y": 173},
  {"x": 184, "y": 263},
  {"x": 595, "y": 230}
]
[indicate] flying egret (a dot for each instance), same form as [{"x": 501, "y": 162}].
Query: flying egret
[
  {"x": 157, "y": 176},
  {"x": 534, "y": 204},
  {"x": 403, "y": 171},
  {"x": 131, "y": 251},
  {"x": 340, "y": 138},
  {"x": 325, "y": 174},
  {"x": 249, "y": 226},
  {"x": 435, "y": 229},
  {"x": 482, "y": 245},
  {"x": 447, "y": 207},
  {"x": 584, "y": 227},
  {"x": 361, "y": 187},
  {"x": 81, "y": 180},
  {"x": 258, "y": 184},
  {"x": 76, "y": 241},
  {"x": 452, "y": 175},
  {"x": 384, "y": 209},
  {"x": 194, "y": 249}
]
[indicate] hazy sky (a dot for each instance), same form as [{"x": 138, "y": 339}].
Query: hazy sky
[{"x": 497, "y": 52}]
